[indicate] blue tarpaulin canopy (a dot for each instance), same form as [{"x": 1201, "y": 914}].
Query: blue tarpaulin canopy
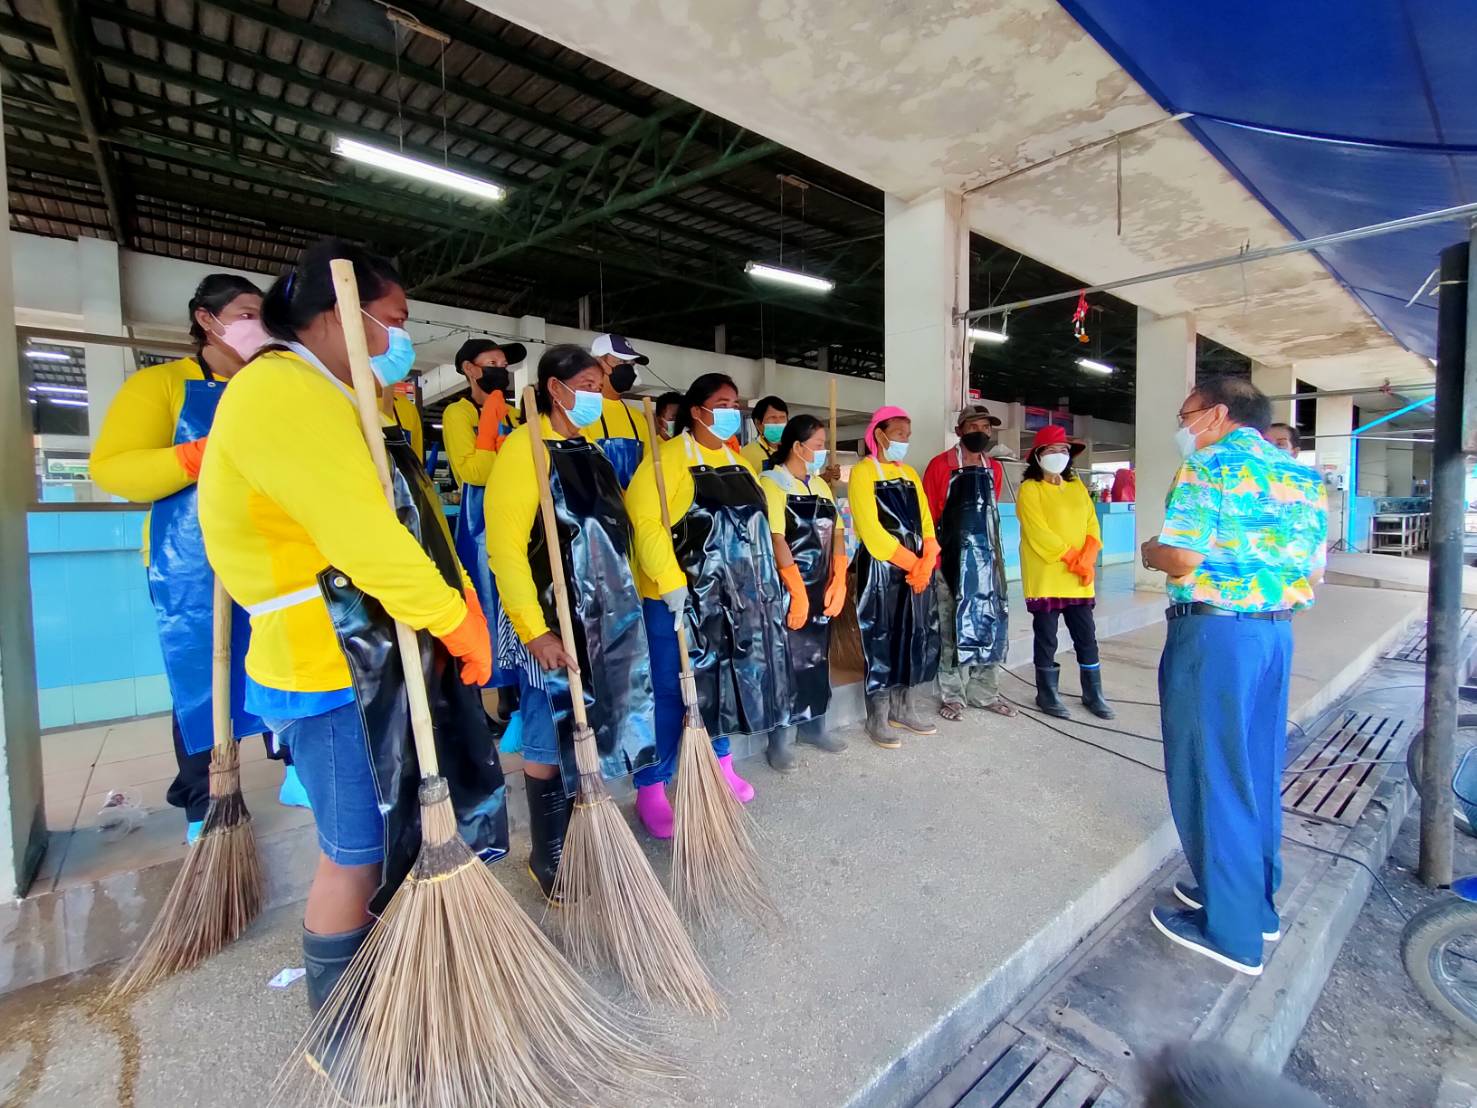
[{"x": 1334, "y": 114}]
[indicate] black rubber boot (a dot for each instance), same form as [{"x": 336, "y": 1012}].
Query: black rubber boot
[
  {"x": 815, "y": 734},
  {"x": 877, "y": 729},
  {"x": 781, "y": 752},
  {"x": 326, "y": 958},
  {"x": 549, "y": 809},
  {"x": 1092, "y": 693},
  {"x": 903, "y": 713},
  {"x": 1046, "y": 697}
]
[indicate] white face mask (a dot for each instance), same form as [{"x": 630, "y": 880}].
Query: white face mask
[
  {"x": 1184, "y": 441},
  {"x": 1054, "y": 463}
]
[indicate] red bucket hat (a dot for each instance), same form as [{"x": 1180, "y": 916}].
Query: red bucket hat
[{"x": 1054, "y": 435}]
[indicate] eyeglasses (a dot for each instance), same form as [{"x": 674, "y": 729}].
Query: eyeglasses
[{"x": 1192, "y": 411}]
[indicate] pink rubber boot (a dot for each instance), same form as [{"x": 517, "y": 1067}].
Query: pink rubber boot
[
  {"x": 741, "y": 788},
  {"x": 654, "y": 810}
]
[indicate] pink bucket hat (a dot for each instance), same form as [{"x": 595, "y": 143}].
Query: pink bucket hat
[{"x": 882, "y": 415}]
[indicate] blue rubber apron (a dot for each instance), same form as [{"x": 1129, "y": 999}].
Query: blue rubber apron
[
  {"x": 624, "y": 454},
  {"x": 182, "y": 588},
  {"x": 471, "y": 547}
]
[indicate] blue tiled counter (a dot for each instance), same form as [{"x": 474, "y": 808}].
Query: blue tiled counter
[
  {"x": 97, "y": 645},
  {"x": 1116, "y": 523}
]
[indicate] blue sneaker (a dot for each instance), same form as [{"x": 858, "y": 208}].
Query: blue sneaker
[
  {"x": 192, "y": 831},
  {"x": 292, "y": 793},
  {"x": 1191, "y": 897},
  {"x": 1183, "y": 929}
]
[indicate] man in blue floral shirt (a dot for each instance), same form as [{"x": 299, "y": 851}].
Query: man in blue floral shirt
[{"x": 1242, "y": 547}]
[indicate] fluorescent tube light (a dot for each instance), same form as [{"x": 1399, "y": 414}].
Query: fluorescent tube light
[
  {"x": 60, "y": 390},
  {"x": 996, "y": 337},
  {"x": 66, "y": 403},
  {"x": 784, "y": 276},
  {"x": 1094, "y": 367},
  {"x": 48, "y": 356},
  {"x": 391, "y": 162}
]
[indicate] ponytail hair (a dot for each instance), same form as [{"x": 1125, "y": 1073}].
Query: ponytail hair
[{"x": 306, "y": 290}]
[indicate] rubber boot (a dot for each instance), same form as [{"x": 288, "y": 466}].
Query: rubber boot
[
  {"x": 1092, "y": 693},
  {"x": 877, "y": 729},
  {"x": 1046, "y": 697},
  {"x": 817, "y": 736},
  {"x": 903, "y": 714},
  {"x": 326, "y": 958},
  {"x": 781, "y": 752},
  {"x": 741, "y": 788},
  {"x": 549, "y": 810},
  {"x": 655, "y": 810}
]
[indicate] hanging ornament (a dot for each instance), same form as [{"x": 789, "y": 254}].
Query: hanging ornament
[{"x": 1079, "y": 319}]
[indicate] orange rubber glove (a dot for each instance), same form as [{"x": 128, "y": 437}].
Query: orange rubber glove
[
  {"x": 490, "y": 425},
  {"x": 799, "y": 598},
  {"x": 927, "y": 561},
  {"x": 189, "y": 455},
  {"x": 904, "y": 559},
  {"x": 1069, "y": 559},
  {"x": 836, "y": 586},
  {"x": 470, "y": 642},
  {"x": 1090, "y": 548}
]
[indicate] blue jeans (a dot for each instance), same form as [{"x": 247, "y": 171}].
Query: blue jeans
[
  {"x": 332, "y": 759},
  {"x": 666, "y": 663},
  {"x": 536, "y": 714},
  {"x": 1223, "y": 711}
]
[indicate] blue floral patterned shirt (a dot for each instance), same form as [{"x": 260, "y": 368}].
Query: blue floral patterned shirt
[{"x": 1259, "y": 518}]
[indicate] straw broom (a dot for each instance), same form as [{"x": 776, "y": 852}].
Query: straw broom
[
  {"x": 713, "y": 858},
  {"x": 615, "y": 911},
  {"x": 456, "y": 998},
  {"x": 219, "y": 889}
]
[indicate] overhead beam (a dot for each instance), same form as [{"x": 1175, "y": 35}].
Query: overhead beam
[{"x": 67, "y": 42}]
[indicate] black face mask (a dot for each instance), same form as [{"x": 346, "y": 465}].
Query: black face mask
[
  {"x": 623, "y": 377},
  {"x": 494, "y": 379},
  {"x": 976, "y": 442}
]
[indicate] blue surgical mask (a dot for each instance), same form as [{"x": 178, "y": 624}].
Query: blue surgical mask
[
  {"x": 773, "y": 432},
  {"x": 897, "y": 451},
  {"x": 395, "y": 364},
  {"x": 726, "y": 422},
  {"x": 587, "y": 407},
  {"x": 818, "y": 463}
]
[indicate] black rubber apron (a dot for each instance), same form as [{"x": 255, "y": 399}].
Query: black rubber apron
[
  {"x": 736, "y": 605},
  {"x": 900, "y": 628},
  {"x": 595, "y": 536},
  {"x": 465, "y": 747},
  {"x": 969, "y": 552},
  {"x": 810, "y": 532}
]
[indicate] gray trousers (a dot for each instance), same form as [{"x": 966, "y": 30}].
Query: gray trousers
[{"x": 976, "y": 686}]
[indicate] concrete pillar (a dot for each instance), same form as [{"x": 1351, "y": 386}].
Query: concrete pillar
[
  {"x": 1165, "y": 374},
  {"x": 102, "y": 314},
  {"x": 1276, "y": 380},
  {"x": 22, "y": 822},
  {"x": 1335, "y": 416},
  {"x": 1374, "y": 474},
  {"x": 1399, "y": 469},
  {"x": 720, "y": 338},
  {"x": 582, "y": 313},
  {"x": 535, "y": 329},
  {"x": 926, "y": 284}
]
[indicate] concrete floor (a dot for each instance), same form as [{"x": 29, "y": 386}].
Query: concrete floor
[{"x": 919, "y": 886}]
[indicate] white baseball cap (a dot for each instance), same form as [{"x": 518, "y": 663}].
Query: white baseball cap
[{"x": 618, "y": 347}]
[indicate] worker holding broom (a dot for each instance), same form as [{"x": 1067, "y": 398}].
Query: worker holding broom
[
  {"x": 715, "y": 569},
  {"x": 895, "y": 604},
  {"x": 810, "y": 551},
  {"x": 297, "y": 525},
  {"x": 597, "y": 541}
]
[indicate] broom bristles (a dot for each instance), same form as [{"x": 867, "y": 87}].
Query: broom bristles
[
  {"x": 218, "y": 892},
  {"x": 457, "y": 999},
  {"x": 714, "y": 864},
  {"x": 615, "y": 911}
]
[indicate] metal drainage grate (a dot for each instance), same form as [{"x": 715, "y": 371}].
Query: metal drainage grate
[
  {"x": 1354, "y": 749},
  {"x": 1009, "y": 1069},
  {"x": 1413, "y": 647}
]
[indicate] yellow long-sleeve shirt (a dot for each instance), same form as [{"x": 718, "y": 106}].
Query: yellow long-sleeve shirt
[
  {"x": 287, "y": 488},
  {"x": 777, "y": 490},
  {"x": 757, "y": 452},
  {"x": 459, "y": 432},
  {"x": 619, "y": 420},
  {"x": 657, "y": 570},
  {"x": 1054, "y": 519},
  {"x": 133, "y": 456},
  {"x": 862, "y": 494},
  {"x": 409, "y": 417}
]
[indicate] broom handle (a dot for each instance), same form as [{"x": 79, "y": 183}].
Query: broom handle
[
  {"x": 831, "y": 439},
  {"x": 556, "y": 559},
  {"x": 366, "y": 399},
  {"x": 220, "y": 667},
  {"x": 661, "y": 495}
]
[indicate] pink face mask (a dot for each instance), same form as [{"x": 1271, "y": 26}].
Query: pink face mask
[{"x": 245, "y": 336}]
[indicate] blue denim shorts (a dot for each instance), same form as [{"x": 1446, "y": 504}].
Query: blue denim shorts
[
  {"x": 332, "y": 759},
  {"x": 540, "y": 733}
]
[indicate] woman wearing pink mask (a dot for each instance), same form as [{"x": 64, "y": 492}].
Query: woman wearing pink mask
[{"x": 149, "y": 452}]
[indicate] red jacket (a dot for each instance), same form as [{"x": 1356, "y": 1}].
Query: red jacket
[{"x": 936, "y": 480}]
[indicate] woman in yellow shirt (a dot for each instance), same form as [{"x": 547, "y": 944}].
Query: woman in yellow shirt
[
  {"x": 715, "y": 569},
  {"x": 895, "y": 605},
  {"x": 1060, "y": 541},
  {"x": 148, "y": 451},
  {"x": 297, "y": 526},
  {"x": 810, "y": 551},
  {"x": 596, "y": 539}
]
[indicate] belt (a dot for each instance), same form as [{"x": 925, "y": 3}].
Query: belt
[{"x": 1175, "y": 611}]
